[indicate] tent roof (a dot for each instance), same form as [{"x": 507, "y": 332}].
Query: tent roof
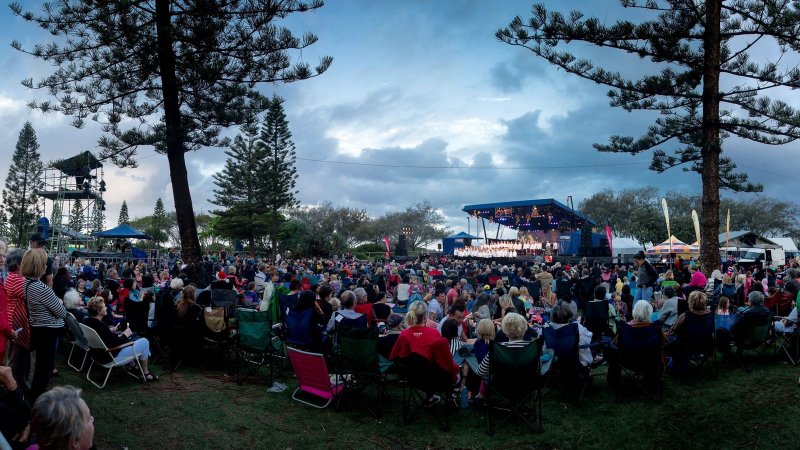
[
  {"x": 463, "y": 235},
  {"x": 538, "y": 214},
  {"x": 785, "y": 242},
  {"x": 123, "y": 231},
  {"x": 80, "y": 164},
  {"x": 747, "y": 239}
]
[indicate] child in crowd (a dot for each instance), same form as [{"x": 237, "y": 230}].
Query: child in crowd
[{"x": 251, "y": 299}]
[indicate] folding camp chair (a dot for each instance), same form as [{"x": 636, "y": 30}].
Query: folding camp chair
[
  {"x": 754, "y": 337},
  {"x": 358, "y": 365},
  {"x": 639, "y": 353},
  {"x": 789, "y": 343},
  {"x": 252, "y": 341},
  {"x": 696, "y": 342},
  {"x": 420, "y": 378},
  {"x": 515, "y": 381},
  {"x": 77, "y": 339},
  {"x": 595, "y": 319},
  {"x": 103, "y": 356},
  {"x": 313, "y": 377},
  {"x": 566, "y": 372},
  {"x": 298, "y": 328},
  {"x": 217, "y": 334}
]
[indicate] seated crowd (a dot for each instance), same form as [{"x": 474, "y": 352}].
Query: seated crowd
[{"x": 449, "y": 311}]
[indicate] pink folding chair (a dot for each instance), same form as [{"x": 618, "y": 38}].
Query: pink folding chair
[{"x": 313, "y": 377}]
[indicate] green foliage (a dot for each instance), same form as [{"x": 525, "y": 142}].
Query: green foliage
[
  {"x": 241, "y": 190},
  {"x": 23, "y": 180},
  {"x": 426, "y": 222},
  {"x": 123, "y": 213},
  {"x": 704, "y": 83},
  {"x": 76, "y": 216},
  {"x": 171, "y": 74},
  {"x": 637, "y": 213},
  {"x": 279, "y": 173},
  {"x": 673, "y": 39},
  {"x": 98, "y": 222},
  {"x": 158, "y": 224}
]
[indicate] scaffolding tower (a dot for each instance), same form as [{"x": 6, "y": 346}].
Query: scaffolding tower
[{"x": 72, "y": 193}]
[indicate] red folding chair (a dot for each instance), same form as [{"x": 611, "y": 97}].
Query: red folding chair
[{"x": 313, "y": 377}]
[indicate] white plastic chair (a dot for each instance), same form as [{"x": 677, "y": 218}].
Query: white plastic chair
[
  {"x": 78, "y": 340},
  {"x": 96, "y": 343}
]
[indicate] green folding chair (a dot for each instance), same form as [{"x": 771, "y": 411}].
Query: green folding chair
[{"x": 359, "y": 365}]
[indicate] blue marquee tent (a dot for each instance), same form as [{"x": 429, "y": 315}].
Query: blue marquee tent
[
  {"x": 459, "y": 240},
  {"x": 123, "y": 231}
]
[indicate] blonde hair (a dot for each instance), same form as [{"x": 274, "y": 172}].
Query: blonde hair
[
  {"x": 504, "y": 302},
  {"x": 417, "y": 314},
  {"x": 34, "y": 263},
  {"x": 523, "y": 292},
  {"x": 741, "y": 278},
  {"x": 698, "y": 301},
  {"x": 500, "y": 284},
  {"x": 513, "y": 291},
  {"x": 514, "y": 326},
  {"x": 57, "y": 418},
  {"x": 485, "y": 329},
  {"x": 95, "y": 305},
  {"x": 726, "y": 279}
]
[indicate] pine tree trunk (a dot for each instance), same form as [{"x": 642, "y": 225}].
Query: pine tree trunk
[
  {"x": 709, "y": 220},
  {"x": 187, "y": 228}
]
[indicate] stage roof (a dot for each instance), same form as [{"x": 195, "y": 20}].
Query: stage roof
[{"x": 540, "y": 214}]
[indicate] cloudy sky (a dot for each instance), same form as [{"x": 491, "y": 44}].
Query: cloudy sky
[{"x": 421, "y": 103}]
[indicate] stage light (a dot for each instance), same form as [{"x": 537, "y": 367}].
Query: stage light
[{"x": 102, "y": 185}]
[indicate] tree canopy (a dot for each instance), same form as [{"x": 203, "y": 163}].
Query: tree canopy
[
  {"x": 171, "y": 74},
  {"x": 23, "y": 179},
  {"x": 704, "y": 83}
]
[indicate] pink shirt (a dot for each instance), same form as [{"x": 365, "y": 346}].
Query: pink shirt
[{"x": 698, "y": 279}]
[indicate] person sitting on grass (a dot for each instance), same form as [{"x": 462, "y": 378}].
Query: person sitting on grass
[
  {"x": 62, "y": 420},
  {"x": 97, "y": 310}
]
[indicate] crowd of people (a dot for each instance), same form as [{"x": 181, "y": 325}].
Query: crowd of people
[{"x": 451, "y": 310}]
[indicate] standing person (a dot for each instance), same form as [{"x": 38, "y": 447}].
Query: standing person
[
  {"x": 646, "y": 277},
  {"x": 46, "y": 314},
  {"x": 19, "y": 357}
]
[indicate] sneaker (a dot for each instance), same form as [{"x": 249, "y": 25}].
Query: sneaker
[{"x": 432, "y": 400}]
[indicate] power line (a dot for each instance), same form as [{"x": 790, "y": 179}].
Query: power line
[{"x": 406, "y": 166}]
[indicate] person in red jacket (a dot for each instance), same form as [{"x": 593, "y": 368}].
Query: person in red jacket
[{"x": 426, "y": 342}]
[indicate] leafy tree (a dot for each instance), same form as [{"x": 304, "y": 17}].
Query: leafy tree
[
  {"x": 76, "y": 216},
  {"x": 123, "y": 213},
  {"x": 98, "y": 219},
  {"x": 241, "y": 190},
  {"x": 326, "y": 229},
  {"x": 705, "y": 86},
  {"x": 616, "y": 207},
  {"x": 426, "y": 222},
  {"x": 279, "y": 175},
  {"x": 762, "y": 215},
  {"x": 183, "y": 70},
  {"x": 23, "y": 180},
  {"x": 158, "y": 223}
]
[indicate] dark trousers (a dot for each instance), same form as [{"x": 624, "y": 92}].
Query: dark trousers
[
  {"x": 19, "y": 359},
  {"x": 43, "y": 342}
]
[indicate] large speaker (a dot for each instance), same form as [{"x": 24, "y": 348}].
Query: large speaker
[
  {"x": 585, "y": 248},
  {"x": 401, "y": 249}
]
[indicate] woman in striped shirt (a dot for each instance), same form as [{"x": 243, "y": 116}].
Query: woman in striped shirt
[{"x": 46, "y": 314}]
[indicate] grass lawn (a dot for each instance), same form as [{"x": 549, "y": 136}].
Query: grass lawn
[{"x": 196, "y": 409}]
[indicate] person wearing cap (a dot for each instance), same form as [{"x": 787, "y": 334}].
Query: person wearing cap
[{"x": 387, "y": 340}]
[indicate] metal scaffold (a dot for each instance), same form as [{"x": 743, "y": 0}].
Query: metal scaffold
[{"x": 72, "y": 194}]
